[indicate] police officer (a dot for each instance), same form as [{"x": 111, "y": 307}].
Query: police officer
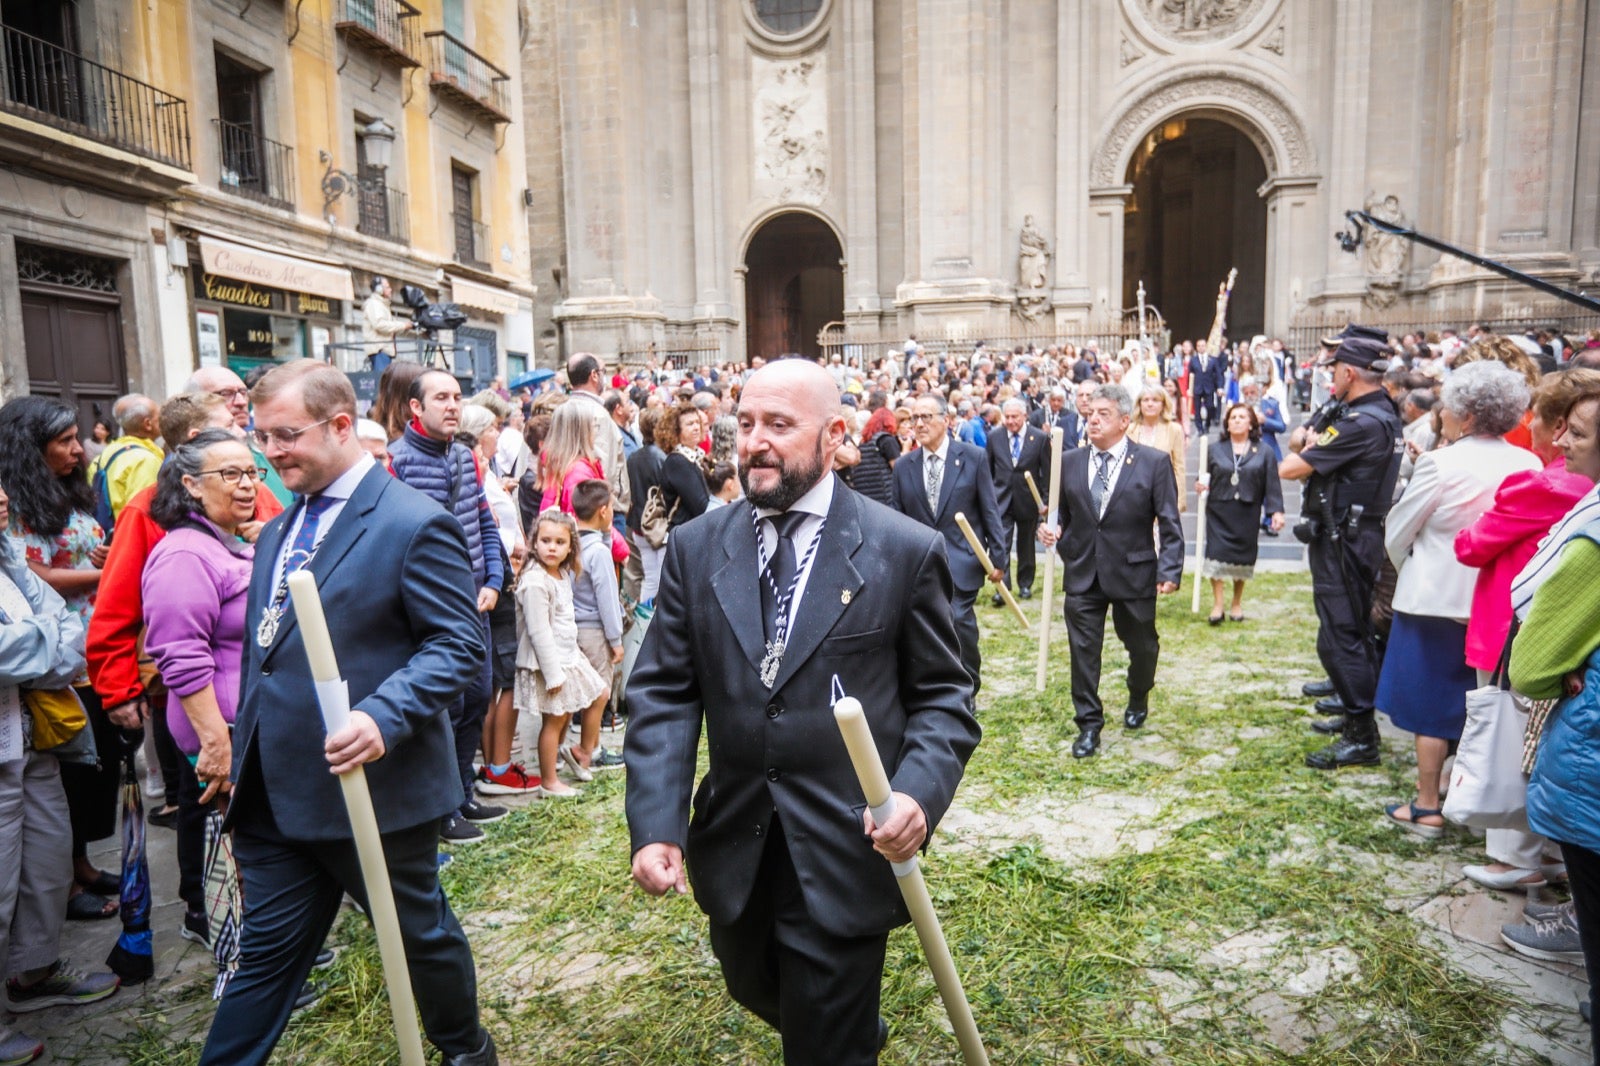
[{"x": 1349, "y": 455}]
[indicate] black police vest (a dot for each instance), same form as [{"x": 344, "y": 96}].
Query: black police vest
[{"x": 1367, "y": 482}]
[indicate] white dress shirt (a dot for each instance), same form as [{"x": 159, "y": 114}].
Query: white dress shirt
[
  {"x": 339, "y": 491},
  {"x": 814, "y": 504}
]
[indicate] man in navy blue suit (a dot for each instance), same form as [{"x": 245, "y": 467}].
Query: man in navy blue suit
[
  {"x": 932, "y": 484},
  {"x": 1207, "y": 373},
  {"x": 395, "y": 578}
]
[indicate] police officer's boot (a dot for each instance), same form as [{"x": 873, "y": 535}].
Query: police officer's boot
[{"x": 1357, "y": 746}]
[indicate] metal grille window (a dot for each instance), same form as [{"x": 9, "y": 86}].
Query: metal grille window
[{"x": 787, "y": 16}]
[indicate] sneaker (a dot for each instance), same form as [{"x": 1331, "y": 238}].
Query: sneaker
[
  {"x": 606, "y": 759},
  {"x": 457, "y": 831},
  {"x": 1554, "y": 938},
  {"x": 310, "y": 995},
  {"x": 481, "y": 813},
  {"x": 514, "y": 782},
  {"x": 66, "y": 986},
  {"x": 613, "y": 721},
  {"x": 574, "y": 767},
  {"x": 18, "y": 1048},
  {"x": 1534, "y": 910},
  {"x": 324, "y": 958},
  {"x": 445, "y": 859},
  {"x": 196, "y": 927}
]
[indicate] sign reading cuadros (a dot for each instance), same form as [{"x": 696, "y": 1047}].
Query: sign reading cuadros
[{"x": 243, "y": 263}]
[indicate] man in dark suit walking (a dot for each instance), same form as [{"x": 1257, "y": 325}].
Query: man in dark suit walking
[
  {"x": 1016, "y": 451},
  {"x": 1112, "y": 493},
  {"x": 941, "y": 478},
  {"x": 1207, "y": 374},
  {"x": 763, "y": 608},
  {"x": 1057, "y": 413},
  {"x": 393, "y": 570}
]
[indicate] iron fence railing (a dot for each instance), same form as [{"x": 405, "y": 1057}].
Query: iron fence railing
[
  {"x": 1570, "y": 321},
  {"x": 254, "y": 166},
  {"x": 382, "y": 211},
  {"x": 457, "y": 71},
  {"x": 47, "y": 83},
  {"x": 472, "y": 241},
  {"x": 388, "y": 27}
]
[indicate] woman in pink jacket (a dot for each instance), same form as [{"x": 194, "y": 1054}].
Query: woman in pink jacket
[
  {"x": 1500, "y": 543},
  {"x": 568, "y": 459}
]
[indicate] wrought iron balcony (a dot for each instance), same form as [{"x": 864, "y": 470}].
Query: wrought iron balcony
[
  {"x": 254, "y": 166},
  {"x": 386, "y": 28},
  {"x": 472, "y": 241},
  {"x": 61, "y": 89},
  {"x": 382, "y": 210},
  {"x": 456, "y": 71}
]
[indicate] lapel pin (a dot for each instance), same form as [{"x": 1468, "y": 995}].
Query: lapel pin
[{"x": 844, "y": 597}]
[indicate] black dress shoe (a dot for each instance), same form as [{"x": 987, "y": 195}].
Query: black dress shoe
[
  {"x": 997, "y": 600},
  {"x": 1087, "y": 743},
  {"x": 1357, "y": 745},
  {"x": 883, "y": 1034},
  {"x": 1318, "y": 689},
  {"x": 1134, "y": 717},
  {"x": 1328, "y": 727},
  {"x": 1027, "y": 592},
  {"x": 1329, "y": 705},
  {"x": 484, "y": 1056}
]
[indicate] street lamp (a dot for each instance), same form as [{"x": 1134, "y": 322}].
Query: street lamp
[{"x": 377, "y": 141}]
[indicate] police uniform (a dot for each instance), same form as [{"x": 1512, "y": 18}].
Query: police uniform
[{"x": 1355, "y": 459}]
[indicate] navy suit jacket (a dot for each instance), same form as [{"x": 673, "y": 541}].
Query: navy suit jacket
[
  {"x": 1209, "y": 380},
  {"x": 1010, "y": 486},
  {"x": 965, "y": 487},
  {"x": 397, "y": 588}
]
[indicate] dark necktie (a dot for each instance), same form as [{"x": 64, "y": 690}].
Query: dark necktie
[
  {"x": 305, "y": 540},
  {"x": 1016, "y": 449},
  {"x": 1097, "y": 488},
  {"x": 780, "y": 572}
]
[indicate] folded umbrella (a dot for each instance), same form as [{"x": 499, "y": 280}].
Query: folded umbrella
[{"x": 132, "y": 958}]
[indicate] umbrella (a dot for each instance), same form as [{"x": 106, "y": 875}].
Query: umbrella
[
  {"x": 223, "y": 908},
  {"x": 531, "y": 378},
  {"x": 132, "y": 959}
]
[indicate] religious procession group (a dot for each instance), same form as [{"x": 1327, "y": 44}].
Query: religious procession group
[{"x": 514, "y": 576}]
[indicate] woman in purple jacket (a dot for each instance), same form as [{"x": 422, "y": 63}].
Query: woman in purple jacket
[{"x": 194, "y": 585}]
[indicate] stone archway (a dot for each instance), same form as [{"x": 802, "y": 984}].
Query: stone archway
[
  {"x": 793, "y": 284},
  {"x": 1256, "y": 108}
]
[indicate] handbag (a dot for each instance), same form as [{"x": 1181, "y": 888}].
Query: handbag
[
  {"x": 655, "y": 521},
  {"x": 1488, "y": 789},
  {"x": 57, "y": 714}
]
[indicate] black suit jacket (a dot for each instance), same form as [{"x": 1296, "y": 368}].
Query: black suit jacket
[
  {"x": 1067, "y": 419},
  {"x": 875, "y": 614},
  {"x": 965, "y": 487},
  {"x": 397, "y": 588},
  {"x": 1010, "y": 486},
  {"x": 1211, "y": 379},
  {"x": 1117, "y": 548}
]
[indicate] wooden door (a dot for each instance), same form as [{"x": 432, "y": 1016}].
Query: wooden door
[
  {"x": 73, "y": 345},
  {"x": 461, "y": 182}
]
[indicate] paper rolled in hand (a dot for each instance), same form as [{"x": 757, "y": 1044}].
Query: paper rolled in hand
[
  {"x": 1033, "y": 488},
  {"x": 908, "y": 875},
  {"x": 334, "y": 699},
  {"x": 988, "y": 567},
  {"x": 1046, "y": 608}
]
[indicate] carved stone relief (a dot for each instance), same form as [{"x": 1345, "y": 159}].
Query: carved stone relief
[
  {"x": 1281, "y": 138},
  {"x": 1033, "y": 270},
  {"x": 1273, "y": 42},
  {"x": 790, "y": 117},
  {"x": 1194, "y": 21},
  {"x": 1384, "y": 254},
  {"x": 1128, "y": 53}
]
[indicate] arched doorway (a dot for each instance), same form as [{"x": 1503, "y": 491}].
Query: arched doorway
[
  {"x": 1194, "y": 213},
  {"x": 793, "y": 285}
]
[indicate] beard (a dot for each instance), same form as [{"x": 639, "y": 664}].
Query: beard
[{"x": 793, "y": 481}]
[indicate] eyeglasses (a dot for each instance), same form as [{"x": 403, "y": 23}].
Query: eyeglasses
[
  {"x": 239, "y": 393},
  {"x": 232, "y": 475},
  {"x": 926, "y": 417},
  {"x": 285, "y": 438}
]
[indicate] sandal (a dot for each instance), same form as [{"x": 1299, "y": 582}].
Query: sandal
[
  {"x": 89, "y": 907},
  {"x": 1236, "y": 617},
  {"x": 104, "y": 884},
  {"x": 1428, "y": 832},
  {"x": 1215, "y": 619}
]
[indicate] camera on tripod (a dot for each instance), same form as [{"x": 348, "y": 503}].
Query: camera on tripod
[{"x": 430, "y": 318}]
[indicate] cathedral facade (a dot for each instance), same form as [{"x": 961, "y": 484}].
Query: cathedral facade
[{"x": 729, "y": 178}]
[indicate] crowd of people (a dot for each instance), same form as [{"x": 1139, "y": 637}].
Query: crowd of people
[{"x": 143, "y": 595}]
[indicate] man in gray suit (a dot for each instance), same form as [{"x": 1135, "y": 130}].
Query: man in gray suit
[
  {"x": 763, "y": 608},
  {"x": 1112, "y": 493}
]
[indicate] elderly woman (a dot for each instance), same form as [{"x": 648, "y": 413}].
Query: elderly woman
[
  {"x": 41, "y": 646},
  {"x": 193, "y": 589},
  {"x": 53, "y": 529},
  {"x": 1500, "y": 544},
  {"x": 1243, "y": 486},
  {"x": 1555, "y": 658},
  {"x": 1425, "y": 677}
]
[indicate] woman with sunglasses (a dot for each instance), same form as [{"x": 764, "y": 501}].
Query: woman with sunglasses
[{"x": 194, "y": 589}]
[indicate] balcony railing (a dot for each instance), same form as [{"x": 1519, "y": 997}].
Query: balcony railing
[
  {"x": 47, "y": 83},
  {"x": 386, "y": 28},
  {"x": 382, "y": 211},
  {"x": 456, "y": 71},
  {"x": 254, "y": 166},
  {"x": 472, "y": 241}
]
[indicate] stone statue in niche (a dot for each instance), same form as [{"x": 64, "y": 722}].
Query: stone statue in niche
[
  {"x": 1384, "y": 254},
  {"x": 1199, "y": 18},
  {"x": 1033, "y": 257}
]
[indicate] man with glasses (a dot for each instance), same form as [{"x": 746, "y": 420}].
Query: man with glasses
[
  {"x": 428, "y": 458},
  {"x": 225, "y": 385},
  {"x": 394, "y": 574},
  {"x": 942, "y": 477}
]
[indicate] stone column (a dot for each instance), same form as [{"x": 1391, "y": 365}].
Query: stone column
[
  {"x": 1103, "y": 263},
  {"x": 1347, "y": 173},
  {"x": 708, "y": 149},
  {"x": 1072, "y": 295},
  {"x": 862, "y": 301},
  {"x": 1293, "y": 223}
]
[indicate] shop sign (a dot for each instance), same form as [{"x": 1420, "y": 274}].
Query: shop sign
[
  {"x": 239, "y": 293},
  {"x": 243, "y": 263}
]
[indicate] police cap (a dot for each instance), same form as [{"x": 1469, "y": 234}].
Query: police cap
[
  {"x": 1363, "y": 352},
  {"x": 1372, "y": 333}
]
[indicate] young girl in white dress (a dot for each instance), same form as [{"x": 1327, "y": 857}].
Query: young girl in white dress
[{"x": 554, "y": 680}]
